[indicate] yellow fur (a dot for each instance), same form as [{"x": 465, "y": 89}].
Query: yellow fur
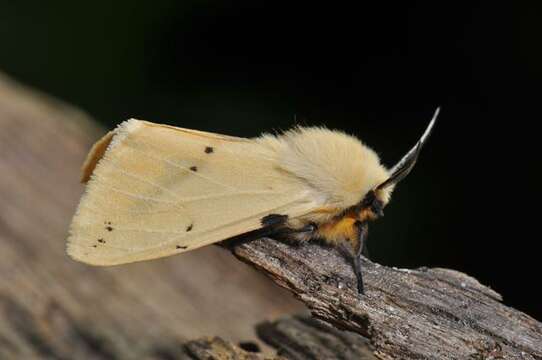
[
  {"x": 339, "y": 167},
  {"x": 338, "y": 231}
]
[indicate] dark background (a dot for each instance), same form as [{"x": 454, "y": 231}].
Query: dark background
[{"x": 376, "y": 70}]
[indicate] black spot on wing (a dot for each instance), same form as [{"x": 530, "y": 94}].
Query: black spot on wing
[
  {"x": 194, "y": 168},
  {"x": 189, "y": 227},
  {"x": 209, "y": 149},
  {"x": 101, "y": 241},
  {"x": 274, "y": 219},
  {"x": 181, "y": 247},
  {"x": 109, "y": 228}
]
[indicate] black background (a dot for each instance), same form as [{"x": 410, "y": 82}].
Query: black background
[{"x": 376, "y": 70}]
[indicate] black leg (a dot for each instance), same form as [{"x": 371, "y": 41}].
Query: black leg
[
  {"x": 275, "y": 226},
  {"x": 365, "y": 249},
  {"x": 294, "y": 237},
  {"x": 359, "y": 276},
  {"x": 359, "y": 249}
]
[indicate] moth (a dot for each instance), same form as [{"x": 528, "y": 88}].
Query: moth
[{"x": 156, "y": 190}]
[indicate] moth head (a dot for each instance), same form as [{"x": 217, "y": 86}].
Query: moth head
[{"x": 376, "y": 199}]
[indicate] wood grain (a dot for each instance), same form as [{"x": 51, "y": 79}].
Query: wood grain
[{"x": 406, "y": 314}]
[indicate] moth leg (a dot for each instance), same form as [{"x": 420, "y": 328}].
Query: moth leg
[
  {"x": 359, "y": 245},
  {"x": 365, "y": 249},
  {"x": 277, "y": 227},
  {"x": 294, "y": 236},
  {"x": 306, "y": 230},
  {"x": 289, "y": 231}
]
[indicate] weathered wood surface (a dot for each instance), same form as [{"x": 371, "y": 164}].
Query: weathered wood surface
[
  {"x": 406, "y": 314},
  {"x": 303, "y": 337},
  {"x": 50, "y": 304}
]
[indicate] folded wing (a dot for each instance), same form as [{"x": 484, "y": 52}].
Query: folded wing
[{"x": 156, "y": 190}]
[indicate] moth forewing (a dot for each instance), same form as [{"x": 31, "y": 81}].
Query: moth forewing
[{"x": 158, "y": 190}]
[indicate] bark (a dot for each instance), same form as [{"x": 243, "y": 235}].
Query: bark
[
  {"x": 303, "y": 337},
  {"x": 406, "y": 314}
]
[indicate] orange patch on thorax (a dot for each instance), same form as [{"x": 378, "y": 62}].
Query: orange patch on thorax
[{"x": 339, "y": 230}]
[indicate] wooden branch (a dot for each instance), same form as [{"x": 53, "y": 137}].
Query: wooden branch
[{"x": 406, "y": 314}]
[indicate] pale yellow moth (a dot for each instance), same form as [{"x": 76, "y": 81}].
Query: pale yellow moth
[{"x": 156, "y": 190}]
